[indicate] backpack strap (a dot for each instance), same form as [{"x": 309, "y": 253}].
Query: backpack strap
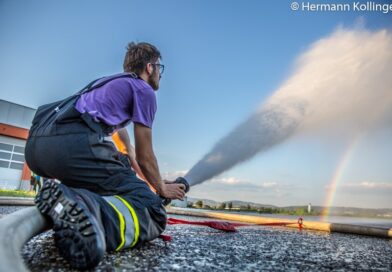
[
  {"x": 91, "y": 85},
  {"x": 88, "y": 86}
]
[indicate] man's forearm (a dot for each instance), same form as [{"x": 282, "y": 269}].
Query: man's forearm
[
  {"x": 146, "y": 158},
  {"x": 150, "y": 170}
]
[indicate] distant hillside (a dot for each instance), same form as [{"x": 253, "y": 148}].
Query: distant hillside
[
  {"x": 239, "y": 203},
  {"x": 352, "y": 211},
  {"x": 346, "y": 211},
  {"x": 236, "y": 203},
  {"x": 208, "y": 202}
]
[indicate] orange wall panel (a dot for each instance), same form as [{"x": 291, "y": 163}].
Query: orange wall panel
[
  {"x": 15, "y": 132},
  {"x": 26, "y": 173}
]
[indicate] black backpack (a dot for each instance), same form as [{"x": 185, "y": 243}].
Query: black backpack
[{"x": 47, "y": 115}]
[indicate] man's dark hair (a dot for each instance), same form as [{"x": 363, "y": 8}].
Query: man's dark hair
[{"x": 138, "y": 55}]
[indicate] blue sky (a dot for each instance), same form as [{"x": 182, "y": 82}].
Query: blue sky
[{"x": 222, "y": 58}]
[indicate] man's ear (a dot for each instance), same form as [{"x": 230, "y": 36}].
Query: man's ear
[{"x": 149, "y": 68}]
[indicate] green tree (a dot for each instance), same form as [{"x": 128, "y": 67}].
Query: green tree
[
  {"x": 299, "y": 211},
  {"x": 199, "y": 204},
  {"x": 222, "y": 206},
  {"x": 230, "y": 205}
]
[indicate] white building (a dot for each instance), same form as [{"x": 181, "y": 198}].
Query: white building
[
  {"x": 309, "y": 208},
  {"x": 15, "y": 121}
]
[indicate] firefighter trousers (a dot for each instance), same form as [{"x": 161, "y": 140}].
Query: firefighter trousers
[{"x": 77, "y": 154}]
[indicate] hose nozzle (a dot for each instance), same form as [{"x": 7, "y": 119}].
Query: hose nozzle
[
  {"x": 180, "y": 180},
  {"x": 183, "y": 181}
]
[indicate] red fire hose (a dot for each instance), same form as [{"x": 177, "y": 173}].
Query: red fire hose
[{"x": 223, "y": 225}]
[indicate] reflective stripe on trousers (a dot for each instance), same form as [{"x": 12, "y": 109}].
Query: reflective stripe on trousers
[{"x": 129, "y": 223}]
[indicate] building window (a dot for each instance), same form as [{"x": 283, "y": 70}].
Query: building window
[
  {"x": 5, "y": 164},
  {"x": 15, "y": 165},
  {"x": 6, "y": 147},
  {"x": 5, "y": 155},
  {"x": 11, "y": 156}
]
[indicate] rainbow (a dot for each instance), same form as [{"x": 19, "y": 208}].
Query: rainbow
[{"x": 337, "y": 177}]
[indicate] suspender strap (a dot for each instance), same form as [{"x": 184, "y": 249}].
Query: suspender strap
[
  {"x": 91, "y": 85},
  {"x": 88, "y": 86}
]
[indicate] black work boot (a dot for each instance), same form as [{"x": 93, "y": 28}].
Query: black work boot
[{"x": 78, "y": 233}]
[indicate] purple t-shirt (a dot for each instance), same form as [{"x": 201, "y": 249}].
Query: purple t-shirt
[{"x": 119, "y": 102}]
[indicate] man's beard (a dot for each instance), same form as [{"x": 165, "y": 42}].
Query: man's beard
[{"x": 153, "y": 83}]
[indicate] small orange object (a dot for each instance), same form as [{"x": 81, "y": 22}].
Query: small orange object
[{"x": 121, "y": 147}]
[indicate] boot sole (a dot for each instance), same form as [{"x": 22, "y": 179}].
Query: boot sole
[{"x": 76, "y": 233}]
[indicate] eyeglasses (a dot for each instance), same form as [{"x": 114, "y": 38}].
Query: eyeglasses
[{"x": 161, "y": 67}]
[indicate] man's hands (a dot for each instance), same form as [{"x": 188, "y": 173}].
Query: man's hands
[{"x": 172, "y": 190}]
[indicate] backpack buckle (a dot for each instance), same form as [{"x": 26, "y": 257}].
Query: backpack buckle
[{"x": 133, "y": 75}]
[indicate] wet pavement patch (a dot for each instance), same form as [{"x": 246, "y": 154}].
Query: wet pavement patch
[{"x": 198, "y": 248}]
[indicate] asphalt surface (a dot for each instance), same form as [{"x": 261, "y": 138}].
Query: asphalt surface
[
  {"x": 4, "y": 210},
  {"x": 198, "y": 248}
]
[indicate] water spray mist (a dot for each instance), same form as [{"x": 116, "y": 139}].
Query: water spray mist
[{"x": 342, "y": 80}]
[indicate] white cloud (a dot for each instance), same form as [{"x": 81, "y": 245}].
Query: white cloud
[
  {"x": 269, "y": 184},
  {"x": 239, "y": 184},
  {"x": 228, "y": 180},
  {"x": 363, "y": 186},
  {"x": 367, "y": 184},
  {"x": 232, "y": 188},
  {"x": 173, "y": 175}
]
